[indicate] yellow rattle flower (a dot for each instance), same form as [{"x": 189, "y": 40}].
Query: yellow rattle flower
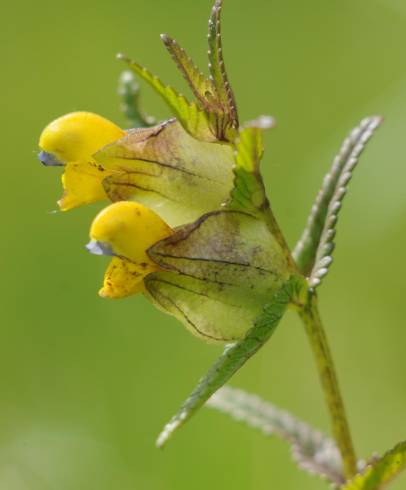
[
  {"x": 126, "y": 230},
  {"x": 71, "y": 141}
]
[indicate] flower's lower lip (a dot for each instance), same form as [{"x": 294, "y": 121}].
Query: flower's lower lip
[
  {"x": 49, "y": 160},
  {"x": 99, "y": 248}
]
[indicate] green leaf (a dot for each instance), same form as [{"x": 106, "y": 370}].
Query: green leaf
[
  {"x": 202, "y": 87},
  {"x": 214, "y": 117},
  {"x": 214, "y": 95},
  {"x": 220, "y": 273},
  {"x": 129, "y": 92},
  {"x": 166, "y": 169},
  {"x": 218, "y": 72},
  {"x": 311, "y": 450},
  {"x": 233, "y": 358},
  {"x": 377, "y": 475},
  {"x": 194, "y": 120},
  {"x": 249, "y": 192},
  {"x": 313, "y": 252}
]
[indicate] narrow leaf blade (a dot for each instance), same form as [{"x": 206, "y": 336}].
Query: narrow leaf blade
[
  {"x": 217, "y": 67},
  {"x": 311, "y": 450},
  {"x": 193, "y": 119},
  {"x": 233, "y": 358},
  {"x": 202, "y": 87},
  {"x": 313, "y": 252},
  {"x": 381, "y": 472}
]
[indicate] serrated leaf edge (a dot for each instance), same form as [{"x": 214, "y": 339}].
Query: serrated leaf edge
[
  {"x": 196, "y": 123},
  {"x": 217, "y": 69},
  {"x": 193, "y": 76},
  {"x": 309, "y": 447},
  {"x": 313, "y": 252}
]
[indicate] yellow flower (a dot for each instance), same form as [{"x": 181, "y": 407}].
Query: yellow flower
[
  {"x": 72, "y": 140},
  {"x": 126, "y": 230},
  {"x": 215, "y": 275}
]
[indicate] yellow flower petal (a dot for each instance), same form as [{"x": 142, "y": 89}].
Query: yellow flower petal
[
  {"x": 122, "y": 278},
  {"x": 73, "y": 139},
  {"x": 82, "y": 185},
  {"x": 127, "y": 230}
]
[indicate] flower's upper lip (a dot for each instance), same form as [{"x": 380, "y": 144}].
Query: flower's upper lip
[
  {"x": 99, "y": 248},
  {"x": 49, "y": 159}
]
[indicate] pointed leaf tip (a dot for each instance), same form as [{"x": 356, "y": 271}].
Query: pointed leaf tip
[
  {"x": 202, "y": 88},
  {"x": 214, "y": 94},
  {"x": 192, "y": 118},
  {"x": 218, "y": 73}
]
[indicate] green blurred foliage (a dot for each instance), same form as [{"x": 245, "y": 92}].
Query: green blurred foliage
[{"x": 86, "y": 384}]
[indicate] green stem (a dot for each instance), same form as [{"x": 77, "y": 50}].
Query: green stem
[{"x": 317, "y": 337}]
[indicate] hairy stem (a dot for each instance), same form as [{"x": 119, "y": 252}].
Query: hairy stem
[{"x": 325, "y": 366}]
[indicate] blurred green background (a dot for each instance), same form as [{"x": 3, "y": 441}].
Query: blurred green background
[{"x": 86, "y": 384}]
